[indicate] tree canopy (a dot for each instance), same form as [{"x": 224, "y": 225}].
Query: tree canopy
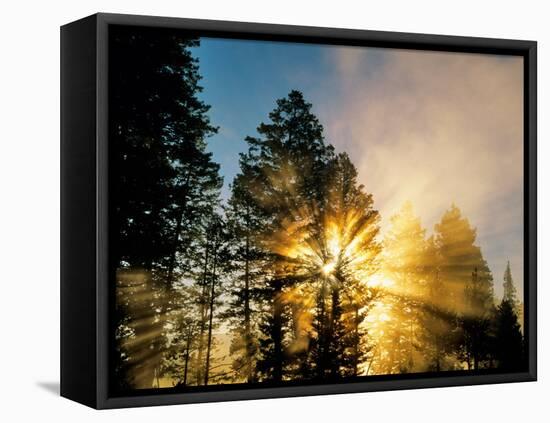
[{"x": 291, "y": 278}]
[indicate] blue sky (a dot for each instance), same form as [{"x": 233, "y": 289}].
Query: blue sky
[
  {"x": 430, "y": 127},
  {"x": 242, "y": 79}
]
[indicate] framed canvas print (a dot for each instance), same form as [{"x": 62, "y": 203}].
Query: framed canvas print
[{"x": 257, "y": 211}]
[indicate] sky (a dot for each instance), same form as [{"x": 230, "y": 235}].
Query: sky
[{"x": 433, "y": 128}]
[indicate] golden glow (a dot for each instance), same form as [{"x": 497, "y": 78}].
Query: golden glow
[
  {"x": 380, "y": 281},
  {"x": 345, "y": 244},
  {"x": 328, "y": 268},
  {"x": 387, "y": 285},
  {"x": 469, "y": 123}
]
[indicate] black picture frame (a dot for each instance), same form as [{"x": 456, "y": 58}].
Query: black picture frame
[{"x": 85, "y": 271}]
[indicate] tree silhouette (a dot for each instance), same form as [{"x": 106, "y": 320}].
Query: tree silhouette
[
  {"x": 282, "y": 169},
  {"x": 469, "y": 284},
  {"x": 404, "y": 264},
  {"x": 508, "y": 340},
  {"x": 167, "y": 181},
  {"x": 290, "y": 278},
  {"x": 246, "y": 220},
  {"x": 346, "y": 247}
]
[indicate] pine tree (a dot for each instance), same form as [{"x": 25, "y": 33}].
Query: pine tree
[
  {"x": 469, "y": 283},
  {"x": 439, "y": 335},
  {"x": 168, "y": 182},
  {"x": 178, "y": 360},
  {"x": 158, "y": 131},
  {"x": 404, "y": 264},
  {"x": 356, "y": 339},
  {"x": 349, "y": 246},
  {"x": 510, "y": 294},
  {"x": 245, "y": 221},
  {"x": 286, "y": 164},
  {"x": 220, "y": 258},
  {"x": 308, "y": 212},
  {"x": 508, "y": 339}
]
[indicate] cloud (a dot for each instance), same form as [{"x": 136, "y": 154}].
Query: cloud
[{"x": 436, "y": 128}]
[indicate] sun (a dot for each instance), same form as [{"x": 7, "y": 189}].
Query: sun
[{"x": 328, "y": 268}]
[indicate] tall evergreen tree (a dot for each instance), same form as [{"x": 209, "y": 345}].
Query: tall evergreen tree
[
  {"x": 510, "y": 294},
  {"x": 286, "y": 164},
  {"x": 346, "y": 244},
  {"x": 308, "y": 194},
  {"x": 245, "y": 222},
  {"x": 404, "y": 260},
  {"x": 469, "y": 283},
  {"x": 178, "y": 363},
  {"x": 440, "y": 332},
  {"x": 168, "y": 182},
  {"x": 158, "y": 131},
  {"x": 508, "y": 339},
  {"x": 220, "y": 259}
]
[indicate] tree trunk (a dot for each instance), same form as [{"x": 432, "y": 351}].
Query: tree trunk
[
  {"x": 187, "y": 348},
  {"x": 211, "y": 314},
  {"x": 277, "y": 334},
  {"x": 179, "y": 218},
  {"x": 356, "y": 341},
  {"x": 202, "y": 312},
  {"x": 334, "y": 358},
  {"x": 411, "y": 342},
  {"x": 247, "y": 329},
  {"x": 321, "y": 335}
]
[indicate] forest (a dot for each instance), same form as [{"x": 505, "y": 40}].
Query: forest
[{"x": 291, "y": 278}]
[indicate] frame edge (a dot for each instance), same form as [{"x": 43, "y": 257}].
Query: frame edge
[
  {"x": 78, "y": 240},
  {"x": 406, "y": 40}
]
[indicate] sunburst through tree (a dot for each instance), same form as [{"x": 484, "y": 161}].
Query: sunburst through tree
[{"x": 293, "y": 276}]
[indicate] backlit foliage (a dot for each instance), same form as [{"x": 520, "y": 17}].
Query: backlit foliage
[{"x": 291, "y": 278}]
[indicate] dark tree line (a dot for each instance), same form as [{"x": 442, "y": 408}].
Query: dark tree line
[
  {"x": 445, "y": 313},
  {"x": 290, "y": 276},
  {"x": 167, "y": 191}
]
